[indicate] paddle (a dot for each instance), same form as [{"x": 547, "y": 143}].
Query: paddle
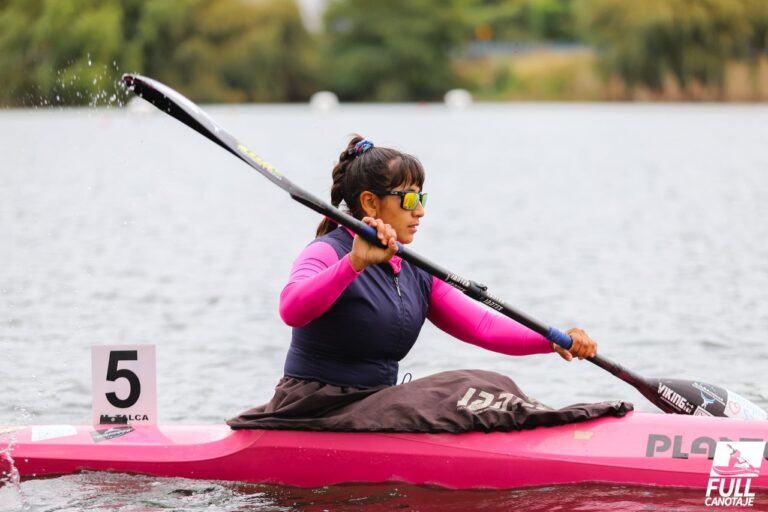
[{"x": 670, "y": 395}]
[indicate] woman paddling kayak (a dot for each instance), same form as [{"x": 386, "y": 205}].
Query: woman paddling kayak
[{"x": 357, "y": 309}]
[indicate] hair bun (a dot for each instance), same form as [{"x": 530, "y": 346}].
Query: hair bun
[{"x": 360, "y": 148}]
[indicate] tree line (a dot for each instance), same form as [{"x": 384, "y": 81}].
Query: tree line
[{"x": 72, "y": 52}]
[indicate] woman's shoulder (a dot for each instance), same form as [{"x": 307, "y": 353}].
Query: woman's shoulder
[{"x": 339, "y": 239}]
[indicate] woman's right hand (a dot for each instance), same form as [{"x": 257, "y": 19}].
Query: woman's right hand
[
  {"x": 364, "y": 253},
  {"x": 583, "y": 345}
]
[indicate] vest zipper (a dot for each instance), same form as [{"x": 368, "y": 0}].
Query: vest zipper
[{"x": 401, "y": 335}]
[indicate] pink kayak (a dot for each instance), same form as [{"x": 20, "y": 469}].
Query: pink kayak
[{"x": 641, "y": 448}]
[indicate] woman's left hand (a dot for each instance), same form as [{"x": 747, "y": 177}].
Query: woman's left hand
[{"x": 583, "y": 346}]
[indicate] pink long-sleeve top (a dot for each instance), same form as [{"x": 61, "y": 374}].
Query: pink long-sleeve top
[{"x": 319, "y": 277}]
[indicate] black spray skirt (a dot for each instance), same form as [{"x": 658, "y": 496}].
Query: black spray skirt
[{"x": 453, "y": 401}]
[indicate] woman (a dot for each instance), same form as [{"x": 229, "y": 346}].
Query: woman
[{"x": 356, "y": 309}]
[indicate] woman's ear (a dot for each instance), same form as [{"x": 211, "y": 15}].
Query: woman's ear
[{"x": 369, "y": 202}]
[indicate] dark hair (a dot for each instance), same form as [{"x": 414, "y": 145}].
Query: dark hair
[{"x": 376, "y": 168}]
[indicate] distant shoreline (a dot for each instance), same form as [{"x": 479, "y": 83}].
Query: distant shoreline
[{"x": 571, "y": 73}]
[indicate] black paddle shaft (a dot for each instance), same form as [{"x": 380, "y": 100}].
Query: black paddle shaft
[{"x": 674, "y": 396}]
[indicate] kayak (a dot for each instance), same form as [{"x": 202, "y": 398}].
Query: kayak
[{"x": 640, "y": 448}]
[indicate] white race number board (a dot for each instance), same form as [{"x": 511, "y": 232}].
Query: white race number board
[{"x": 124, "y": 385}]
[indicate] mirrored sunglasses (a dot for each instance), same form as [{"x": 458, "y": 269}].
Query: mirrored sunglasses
[{"x": 409, "y": 200}]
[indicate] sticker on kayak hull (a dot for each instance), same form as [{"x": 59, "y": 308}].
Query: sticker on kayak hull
[
  {"x": 110, "y": 433},
  {"x": 46, "y": 432},
  {"x": 11, "y": 430}
]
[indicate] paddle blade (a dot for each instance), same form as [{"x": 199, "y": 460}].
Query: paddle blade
[
  {"x": 178, "y": 106},
  {"x": 696, "y": 398}
]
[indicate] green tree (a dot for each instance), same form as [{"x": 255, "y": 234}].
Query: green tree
[
  {"x": 552, "y": 19},
  {"x": 230, "y": 50},
  {"x": 73, "y": 51},
  {"x": 57, "y": 51},
  {"x": 689, "y": 40},
  {"x": 399, "y": 50}
]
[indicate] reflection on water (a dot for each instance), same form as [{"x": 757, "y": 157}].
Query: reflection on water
[
  {"x": 642, "y": 224},
  {"x": 102, "y": 491}
]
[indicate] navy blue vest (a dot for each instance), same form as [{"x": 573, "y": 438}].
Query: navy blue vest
[{"x": 371, "y": 326}]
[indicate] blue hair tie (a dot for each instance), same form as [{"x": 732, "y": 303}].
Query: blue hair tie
[{"x": 362, "y": 146}]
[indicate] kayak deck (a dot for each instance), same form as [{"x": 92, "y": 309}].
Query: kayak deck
[{"x": 641, "y": 448}]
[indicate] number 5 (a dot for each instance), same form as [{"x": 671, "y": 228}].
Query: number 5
[{"x": 113, "y": 374}]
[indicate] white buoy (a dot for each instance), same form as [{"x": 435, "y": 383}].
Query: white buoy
[
  {"x": 324, "y": 100},
  {"x": 458, "y": 98}
]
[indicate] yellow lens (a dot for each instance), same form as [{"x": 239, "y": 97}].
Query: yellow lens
[{"x": 410, "y": 200}]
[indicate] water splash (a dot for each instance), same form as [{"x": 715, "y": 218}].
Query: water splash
[
  {"x": 10, "y": 475},
  {"x": 93, "y": 84},
  {"x": 10, "y": 479}
]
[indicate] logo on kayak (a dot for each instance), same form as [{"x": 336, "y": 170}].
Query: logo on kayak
[
  {"x": 734, "y": 466},
  {"x": 110, "y": 433},
  {"x": 684, "y": 447}
]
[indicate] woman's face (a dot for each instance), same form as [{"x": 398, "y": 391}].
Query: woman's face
[{"x": 387, "y": 208}]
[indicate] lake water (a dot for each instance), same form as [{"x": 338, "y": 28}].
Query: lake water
[{"x": 644, "y": 224}]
